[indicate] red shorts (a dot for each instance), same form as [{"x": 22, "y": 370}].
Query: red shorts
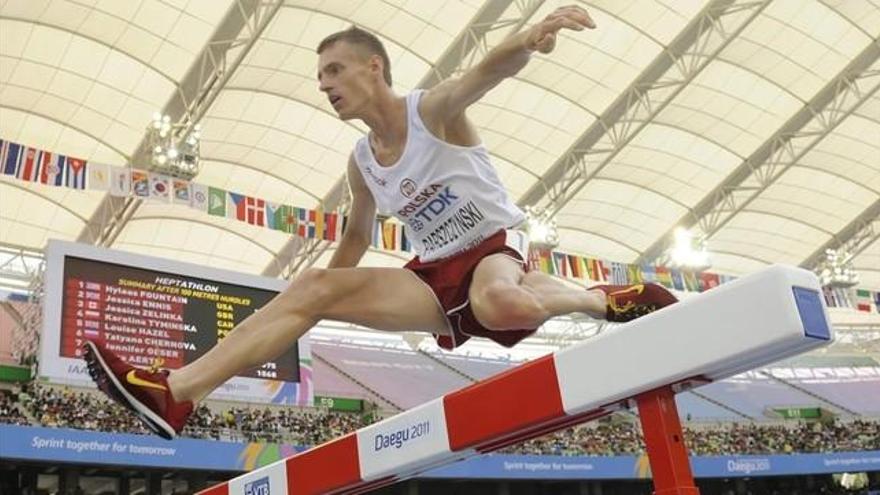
[{"x": 450, "y": 280}]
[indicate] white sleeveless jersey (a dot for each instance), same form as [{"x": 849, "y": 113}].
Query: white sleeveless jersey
[{"x": 448, "y": 196}]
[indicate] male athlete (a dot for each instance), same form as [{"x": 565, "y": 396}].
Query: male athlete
[{"x": 422, "y": 162}]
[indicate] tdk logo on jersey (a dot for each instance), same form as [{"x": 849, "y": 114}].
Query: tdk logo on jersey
[
  {"x": 429, "y": 203},
  {"x": 257, "y": 487}
]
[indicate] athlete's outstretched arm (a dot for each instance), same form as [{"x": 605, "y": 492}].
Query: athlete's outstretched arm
[
  {"x": 448, "y": 100},
  {"x": 359, "y": 229}
]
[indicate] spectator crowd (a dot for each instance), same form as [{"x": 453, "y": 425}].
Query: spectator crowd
[
  {"x": 625, "y": 438},
  {"x": 57, "y": 407}
]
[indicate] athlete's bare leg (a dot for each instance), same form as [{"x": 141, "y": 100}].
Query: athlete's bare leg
[
  {"x": 391, "y": 299},
  {"x": 504, "y": 297}
]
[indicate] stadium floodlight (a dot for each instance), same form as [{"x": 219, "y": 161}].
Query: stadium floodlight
[
  {"x": 836, "y": 270},
  {"x": 541, "y": 227},
  {"x": 170, "y": 152},
  {"x": 689, "y": 251}
]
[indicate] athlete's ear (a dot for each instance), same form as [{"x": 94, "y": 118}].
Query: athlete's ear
[{"x": 376, "y": 65}]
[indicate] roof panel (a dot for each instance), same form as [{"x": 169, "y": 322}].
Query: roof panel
[
  {"x": 617, "y": 210},
  {"x": 768, "y": 237},
  {"x": 731, "y": 106},
  {"x": 31, "y": 214},
  {"x": 164, "y": 229},
  {"x": 797, "y": 45}
]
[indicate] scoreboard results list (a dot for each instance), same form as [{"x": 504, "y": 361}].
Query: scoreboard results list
[{"x": 146, "y": 315}]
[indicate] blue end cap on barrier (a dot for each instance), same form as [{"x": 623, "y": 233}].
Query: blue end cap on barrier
[{"x": 809, "y": 306}]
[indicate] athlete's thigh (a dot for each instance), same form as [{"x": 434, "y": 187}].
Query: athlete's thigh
[{"x": 383, "y": 298}]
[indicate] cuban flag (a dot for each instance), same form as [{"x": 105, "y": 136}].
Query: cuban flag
[{"x": 75, "y": 173}]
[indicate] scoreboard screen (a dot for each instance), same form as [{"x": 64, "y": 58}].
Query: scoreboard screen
[
  {"x": 147, "y": 315},
  {"x": 153, "y": 311}
]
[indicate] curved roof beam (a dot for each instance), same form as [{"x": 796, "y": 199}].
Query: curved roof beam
[
  {"x": 267, "y": 126},
  {"x": 202, "y": 222},
  {"x": 601, "y": 236},
  {"x": 644, "y": 188},
  {"x": 788, "y": 218},
  {"x": 854, "y": 238},
  {"x": 264, "y": 172},
  {"x": 144, "y": 62},
  {"x": 20, "y": 187},
  {"x": 289, "y": 98},
  {"x": 347, "y": 21},
  {"x": 745, "y": 256},
  {"x": 697, "y": 45},
  {"x": 840, "y": 97},
  {"x": 235, "y": 35},
  {"x": 63, "y": 124},
  {"x": 458, "y": 56}
]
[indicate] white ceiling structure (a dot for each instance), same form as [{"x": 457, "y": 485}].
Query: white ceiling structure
[{"x": 754, "y": 122}]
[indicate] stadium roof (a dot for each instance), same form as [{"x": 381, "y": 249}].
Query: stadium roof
[{"x": 758, "y": 122}]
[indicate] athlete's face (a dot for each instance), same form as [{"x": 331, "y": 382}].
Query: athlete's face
[{"x": 348, "y": 76}]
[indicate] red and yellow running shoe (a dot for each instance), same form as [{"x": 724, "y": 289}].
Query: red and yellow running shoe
[
  {"x": 628, "y": 302},
  {"x": 144, "y": 392}
]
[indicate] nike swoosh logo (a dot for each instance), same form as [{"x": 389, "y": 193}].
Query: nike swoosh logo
[
  {"x": 133, "y": 379},
  {"x": 639, "y": 288}
]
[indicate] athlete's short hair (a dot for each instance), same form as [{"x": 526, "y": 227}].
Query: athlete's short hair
[{"x": 364, "y": 39}]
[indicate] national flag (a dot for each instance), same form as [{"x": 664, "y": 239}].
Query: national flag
[
  {"x": 255, "y": 209},
  {"x": 863, "y": 300},
  {"x": 99, "y": 177},
  {"x": 181, "y": 192},
  {"x": 120, "y": 181},
  {"x": 560, "y": 264},
  {"x": 677, "y": 279},
  {"x": 635, "y": 274},
  {"x": 160, "y": 187},
  {"x": 288, "y": 219},
  {"x": 709, "y": 281},
  {"x": 140, "y": 183},
  {"x": 93, "y": 286},
  {"x": 649, "y": 274},
  {"x": 198, "y": 197},
  {"x": 311, "y": 225},
  {"x": 27, "y": 171},
  {"x": 273, "y": 219},
  {"x": 236, "y": 206},
  {"x": 13, "y": 155},
  {"x": 618, "y": 273},
  {"x": 332, "y": 226},
  {"x": 664, "y": 277},
  {"x": 597, "y": 270},
  {"x": 91, "y": 333},
  {"x": 52, "y": 172},
  {"x": 405, "y": 244},
  {"x": 388, "y": 235},
  {"x": 877, "y": 301},
  {"x": 216, "y": 202},
  {"x": 302, "y": 216},
  {"x": 319, "y": 223},
  {"x": 577, "y": 270},
  {"x": 690, "y": 281},
  {"x": 75, "y": 173},
  {"x": 377, "y": 234}
]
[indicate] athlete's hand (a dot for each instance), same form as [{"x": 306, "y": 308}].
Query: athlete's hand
[{"x": 543, "y": 35}]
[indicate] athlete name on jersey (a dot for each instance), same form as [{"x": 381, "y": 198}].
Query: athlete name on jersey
[{"x": 453, "y": 228}]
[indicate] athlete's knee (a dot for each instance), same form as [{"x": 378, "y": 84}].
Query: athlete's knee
[{"x": 504, "y": 306}]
